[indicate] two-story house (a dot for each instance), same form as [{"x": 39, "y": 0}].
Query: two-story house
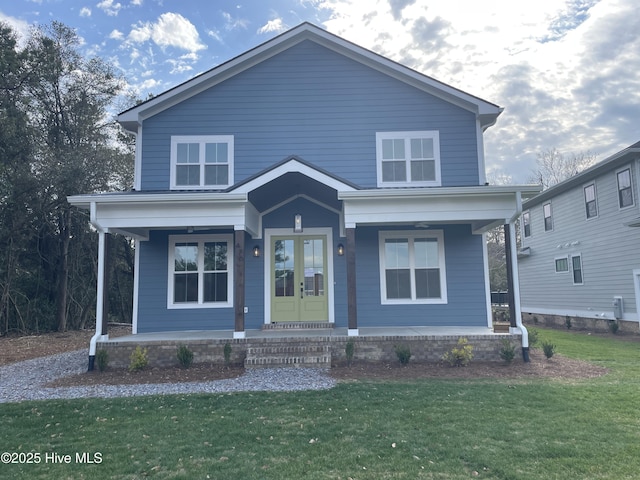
[
  {"x": 580, "y": 260},
  {"x": 308, "y": 180}
]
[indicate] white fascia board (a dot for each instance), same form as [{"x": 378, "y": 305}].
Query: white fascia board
[
  {"x": 292, "y": 166},
  {"x": 481, "y": 206},
  {"x": 434, "y": 192},
  {"x": 84, "y": 201}
]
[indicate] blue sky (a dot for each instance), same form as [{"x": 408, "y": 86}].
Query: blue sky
[{"x": 566, "y": 71}]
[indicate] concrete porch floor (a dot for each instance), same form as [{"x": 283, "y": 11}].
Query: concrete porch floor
[{"x": 432, "y": 331}]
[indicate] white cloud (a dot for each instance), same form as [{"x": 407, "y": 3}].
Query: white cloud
[
  {"x": 116, "y": 35},
  {"x": 232, "y": 23},
  {"x": 85, "y": 12},
  {"x": 110, "y": 8},
  {"x": 170, "y": 30},
  {"x": 215, "y": 34},
  {"x": 136, "y": 3},
  {"x": 275, "y": 25},
  {"x": 19, "y": 26}
]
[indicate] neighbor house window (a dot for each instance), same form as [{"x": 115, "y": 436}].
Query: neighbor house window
[
  {"x": 526, "y": 224},
  {"x": 590, "y": 203},
  {"x": 562, "y": 265},
  {"x": 408, "y": 158},
  {"x": 412, "y": 267},
  {"x": 201, "y": 162},
  {"x": 625, "y": 193},
  {"x": 548, "y": 220},
  {"x": 200, "y": 271},
  {"x": 576, "y": 268}
]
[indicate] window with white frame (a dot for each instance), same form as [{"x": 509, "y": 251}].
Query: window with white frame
[
  {"x": 200, "y": 271},
  {"x": 548, "y": 219},
  {"x": 562, "y": 264},
  {"x": 576, "y": 268},
  {"x": 625, "y": 192},
  {"x": 408, "y": 159},
  {"x": 201, "y": 162},
  {"x": 412, "y": 267},
  {"x": 590, "y": 202},
  {"x": 526, "y": 224}
]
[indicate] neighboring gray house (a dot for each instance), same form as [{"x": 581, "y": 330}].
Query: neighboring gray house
[
  {"x": 580, "y": 255},
  {"x": 258, "y": 181}
]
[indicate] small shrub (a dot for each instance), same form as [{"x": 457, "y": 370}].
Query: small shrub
[
  {"x": 567, "y": 322},
  {"x": 185, "y": 356},
  {"x": 548, "y": 348},
  {"x": 614, "y": 326},
  {"x": 102, "y": 359},
  {"x": 534, "y": 338},
  {"x": 227, "y": 354},
  {"x": 403, "y": 353},
  {"x": 460, "y": 355},
  {"x": 139, "y": 359},
  {"x": 507, "y": 351},
  {"x": 349, "y": 350}
]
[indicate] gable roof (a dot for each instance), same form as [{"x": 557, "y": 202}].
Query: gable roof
[
  {"x": 614, "y": 161},
  {"x": 485, "y": 111}
]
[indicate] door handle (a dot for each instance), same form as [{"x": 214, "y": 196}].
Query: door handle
[{"x": 301, "y": 290}]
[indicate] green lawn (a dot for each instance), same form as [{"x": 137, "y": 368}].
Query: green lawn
[{"x": 445, "y": 429}]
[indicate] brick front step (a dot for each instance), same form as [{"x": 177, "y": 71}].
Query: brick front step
[
  {"x": 296, "y": 325},
  {"x": 282, "y": 355}
]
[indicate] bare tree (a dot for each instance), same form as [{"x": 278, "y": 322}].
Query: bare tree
[{"x": 553, "y": 167}]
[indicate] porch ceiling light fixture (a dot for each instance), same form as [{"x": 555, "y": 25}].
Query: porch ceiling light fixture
[
  {"x": 297, "y": 223},
  {"x": 256, "y": 251},
  {"x": 340, "y": 249}
]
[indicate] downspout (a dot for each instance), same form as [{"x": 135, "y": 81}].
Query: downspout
[
  {"x": 519, "y": 328},
  {"x": 100, "y": 288}
]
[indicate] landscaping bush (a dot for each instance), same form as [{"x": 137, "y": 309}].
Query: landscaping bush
[
  {"x": 404, "y": 353},
  {"x": 349, "y": 350},
  {"x": 534, "y": 338},
  {"x": 549, "y": 349},
  {"x": 185, "y": 356},
  {"x": 102, "y": 359},
  {"x": 507, "y": 351},
  {"x": 139, "y": 359},
  {"x": 614, "y": 326},
  {"x": 460, "y": 355},
  {"x": 227, "y": 354}
]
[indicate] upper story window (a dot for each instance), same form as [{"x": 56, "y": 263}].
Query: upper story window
[
  {"x": 408, "y": 159},
  {"x": 548, "y": 219},
  {"x": 526, "y": 224},
  {"x": 590, "y": 202},
  {"x": 625, "y": 192},
  {"x": 201, "y": 162}
]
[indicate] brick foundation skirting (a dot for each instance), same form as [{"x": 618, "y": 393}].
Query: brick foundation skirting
[{"x": 373, "y": 349}]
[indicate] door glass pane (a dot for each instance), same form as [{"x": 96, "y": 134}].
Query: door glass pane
[
  {"x": 314, "y": 267},
  {"x": 284, "y": 267}
]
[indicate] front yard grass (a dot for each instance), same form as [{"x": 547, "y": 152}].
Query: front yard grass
[{"x": 449, "y": 429}]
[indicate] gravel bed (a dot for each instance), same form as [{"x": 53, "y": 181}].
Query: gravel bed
[{"x": 25, "y": 381}]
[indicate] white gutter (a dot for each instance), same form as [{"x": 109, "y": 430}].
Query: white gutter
[
  {"x": 100, "y": 287},
  {"x": 519, "y": 328}
]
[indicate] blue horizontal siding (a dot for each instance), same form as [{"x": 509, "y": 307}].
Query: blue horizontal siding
[
  {"x": 466, "y": 304},
  {"x": 315, "y": 103}
]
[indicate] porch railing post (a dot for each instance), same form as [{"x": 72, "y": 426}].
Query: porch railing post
[
  {"x": 238, "y": 289},
  {"x": 352, "y": 308}
]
